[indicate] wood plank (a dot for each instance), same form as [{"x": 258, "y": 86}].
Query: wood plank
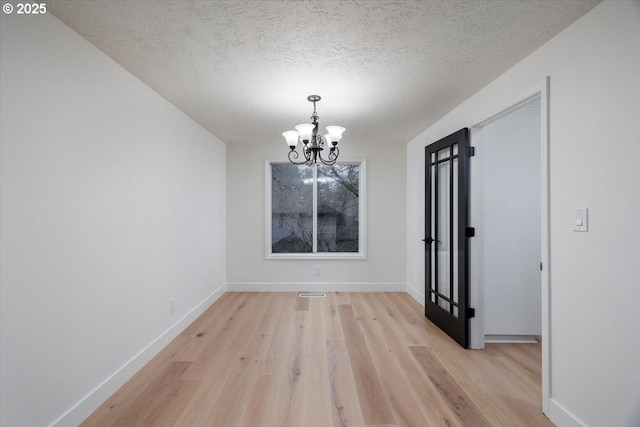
[
  {"x": 461, "y": 405},
  {"x": 226, "y": 376},
  {"x": 193, "y": 340},
  {"x": 375, "y": 406},
  {"x": 469, "y": 372},
  {"x": 345, "y": 405},
  {"x": 302, "y": 304},
  {"x": 168, "y": 413},
  {"x": 259, "y": 408},
  {"x": 225, "y": 337},
  {"x": 395, "y": 385},
  {"x": 317, "y": 394},
  {"x": 317, "y": 398},
  {"x": 231, "y": 397},
  {"x": 120, "y": 402},
  {"x": 385, "y": 327},
  {"x": 497, "y": 396},
  {"x": 514, "y": 383},
  {"x": 394, "y": 360},
  {"x": 273, "y": 360},
  {"x": 433, "y": 406},
  {"x": 414, "y": 327},
  {"x": 156, "y": 394},
  {"x": 331, "y": 319},
  {"x": 315, "y": 343},
  {"x": 289, "y": 407}
]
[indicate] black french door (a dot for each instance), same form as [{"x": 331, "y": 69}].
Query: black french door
[{"x": 446, "y": 234}]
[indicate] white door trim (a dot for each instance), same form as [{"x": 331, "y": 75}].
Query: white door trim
[
  {"x": 545, "y": 244},
  {"x": 476, "y": 291}
]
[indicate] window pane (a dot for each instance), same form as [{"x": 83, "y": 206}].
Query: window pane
[
  {"x": 444, "y": 153},
  {"x": 454, "y": 243},
  {"x": 432, "y": 230},
  {"x": 443, "y": 244},
  {"x": 291, "y": 208},
  {"x": 338, "y": 208}
]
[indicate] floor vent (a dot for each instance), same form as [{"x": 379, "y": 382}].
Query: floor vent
[{"x": 312, "y": 295}]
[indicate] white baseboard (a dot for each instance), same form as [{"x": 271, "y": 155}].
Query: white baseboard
[
  {"x": 416, "y": 294},
  {"x": 81, "y": 410},
  {"x": 315, "y": 287},
  {"x": 561, "y": 417},
  {"x": 510, "y": 339}
]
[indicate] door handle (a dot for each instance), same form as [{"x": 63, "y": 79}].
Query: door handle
[{"x": 430, "y": 240}]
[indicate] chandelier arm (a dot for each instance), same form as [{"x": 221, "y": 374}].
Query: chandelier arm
[
  {"x": 331, "y": 158},
  {"x": 293, "y": 156},
  {"x": 333, "y": 154}
]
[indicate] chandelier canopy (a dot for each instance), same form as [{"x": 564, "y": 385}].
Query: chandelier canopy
[{"x": 312, "y": 142}]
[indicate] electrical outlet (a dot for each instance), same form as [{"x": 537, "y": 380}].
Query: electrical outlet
[
  {"x": 316, "y": 270},
  {"x": 173, "y": 305}
]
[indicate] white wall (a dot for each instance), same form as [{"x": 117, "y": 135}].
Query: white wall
[
  {"x": 509, "y": 150},
  {"x": 384, "y": 267},
  {"x": 594, "y": 66},
  {"x": 112, "y": 203}
]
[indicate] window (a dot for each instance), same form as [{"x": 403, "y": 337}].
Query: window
[{"x": 315, "y": 211}]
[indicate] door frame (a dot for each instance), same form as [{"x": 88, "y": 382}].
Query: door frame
[{"x": 476, "y": 288}]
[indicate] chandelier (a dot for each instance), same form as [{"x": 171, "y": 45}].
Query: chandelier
[{"x": 312, "y": 142}]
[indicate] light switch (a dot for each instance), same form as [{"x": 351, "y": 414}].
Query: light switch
[{"x": 580, "y": 219}]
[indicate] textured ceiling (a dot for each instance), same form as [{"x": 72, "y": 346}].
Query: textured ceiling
[{"x": 386, "y": 70}]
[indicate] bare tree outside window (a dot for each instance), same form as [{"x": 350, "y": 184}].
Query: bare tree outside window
[
  {"x": 338, "y": 208},
  {"x": 337, "y": 214},
  {"x": 291, "y": 208}
]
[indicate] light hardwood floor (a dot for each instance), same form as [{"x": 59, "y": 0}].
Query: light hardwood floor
[{"x": 350, "y": 359}]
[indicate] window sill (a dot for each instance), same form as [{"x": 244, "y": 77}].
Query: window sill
[{"x": 331, "y": 256}]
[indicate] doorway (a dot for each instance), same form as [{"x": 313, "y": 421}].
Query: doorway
[
  {"x": 507, "y": 209},
  {"x": 538, "y": 100}
]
